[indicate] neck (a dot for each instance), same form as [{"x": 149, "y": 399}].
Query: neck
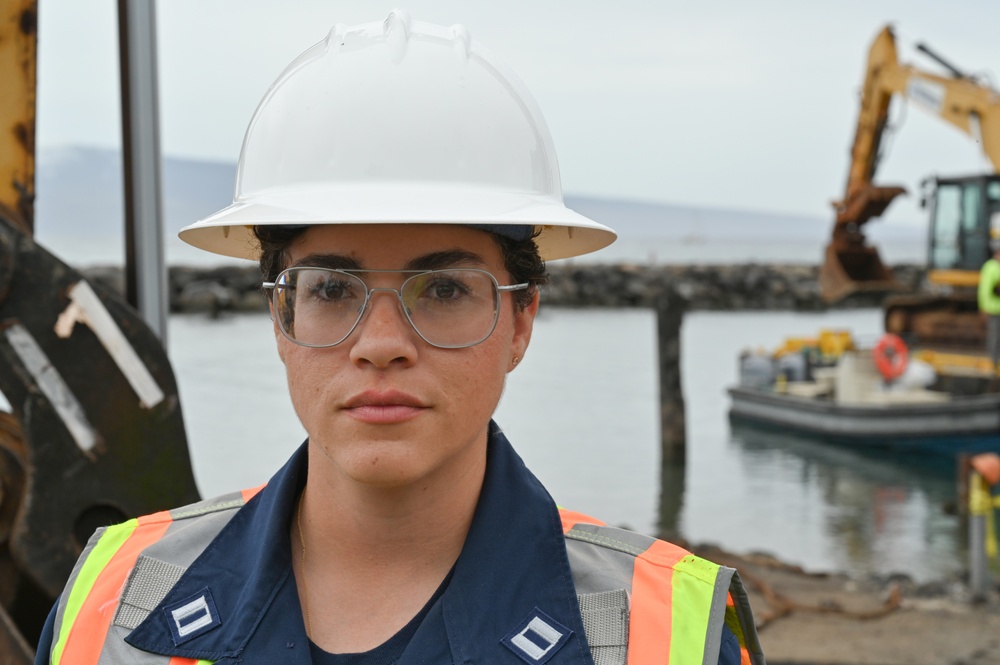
[
  {"x": 367, "y": 558},
  {"x": 421, "y": 525}
]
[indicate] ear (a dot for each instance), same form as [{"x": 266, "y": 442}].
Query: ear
[{"x": 524, "y": 322}]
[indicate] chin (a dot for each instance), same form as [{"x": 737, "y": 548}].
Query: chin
[{"x": 384, "y": 463}]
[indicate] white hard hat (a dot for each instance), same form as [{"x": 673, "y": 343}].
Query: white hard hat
[{"x": 398, "y": 122}]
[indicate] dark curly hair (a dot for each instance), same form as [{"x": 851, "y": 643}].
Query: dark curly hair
[{"x": 520, "y": 258}]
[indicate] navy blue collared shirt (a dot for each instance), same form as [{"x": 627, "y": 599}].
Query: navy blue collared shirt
[{"x": 513, "y": 564}]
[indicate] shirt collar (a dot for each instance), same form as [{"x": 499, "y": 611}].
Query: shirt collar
[{"x": 513, "y": 566}]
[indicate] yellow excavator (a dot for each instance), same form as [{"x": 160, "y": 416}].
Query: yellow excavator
[{"x": 965, "y": 211}]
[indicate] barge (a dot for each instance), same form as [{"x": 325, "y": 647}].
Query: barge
[{"x": 827, "y": 389}]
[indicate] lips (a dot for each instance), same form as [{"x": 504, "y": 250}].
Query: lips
[{"x": 384, "y": 407}]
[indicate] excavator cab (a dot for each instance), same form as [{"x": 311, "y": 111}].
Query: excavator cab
[{"x": 965, "y": 215}]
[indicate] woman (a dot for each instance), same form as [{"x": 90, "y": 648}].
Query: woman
[{"x": 400, "y": 190}]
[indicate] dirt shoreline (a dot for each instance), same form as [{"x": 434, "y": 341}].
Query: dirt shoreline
[{"x": 825, "y": 619}]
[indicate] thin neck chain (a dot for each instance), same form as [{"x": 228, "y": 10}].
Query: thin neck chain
[{"x": 302, "y": 564}]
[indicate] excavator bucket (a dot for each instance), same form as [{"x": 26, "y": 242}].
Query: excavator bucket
[
  {"x": 850, "y": 265},
  {"x": 853, "y": 270}
]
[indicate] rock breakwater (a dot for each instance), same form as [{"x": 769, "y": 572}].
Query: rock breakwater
[
  {"x": 734, "y": 287},
  {"x": 753, "y": 286}
]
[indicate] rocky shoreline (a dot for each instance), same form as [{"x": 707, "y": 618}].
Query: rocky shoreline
[
  {"x": 751, "y": 286},
  {"x": 831, "y": 619}
]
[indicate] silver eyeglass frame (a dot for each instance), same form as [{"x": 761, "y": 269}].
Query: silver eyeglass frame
[{"x": 273, "y": 288}]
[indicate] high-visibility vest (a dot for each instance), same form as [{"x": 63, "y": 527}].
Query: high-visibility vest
[{"x": 642, "y": 600}]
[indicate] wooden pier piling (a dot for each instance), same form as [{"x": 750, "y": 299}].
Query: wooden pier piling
[{"x": 669, "y": 308}]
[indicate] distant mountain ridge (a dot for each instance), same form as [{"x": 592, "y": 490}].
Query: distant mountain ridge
[
  {"x": 82, "y": 187},
  {"x": 79, "y": 196}
]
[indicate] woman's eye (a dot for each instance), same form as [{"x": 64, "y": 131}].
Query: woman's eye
[
  {"x": 331, "y": 290},
  {"x": 445, "y": 291}
]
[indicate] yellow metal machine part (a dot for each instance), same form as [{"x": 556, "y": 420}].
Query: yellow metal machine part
[
  {"x": 830, "y": 343},
  {"x": 18, "y": 40},
  {"x": 958, "y": 278},
  {"x": 957, "y": 364}
]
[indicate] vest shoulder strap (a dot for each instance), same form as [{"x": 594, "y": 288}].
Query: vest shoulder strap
[
  {"x": 676, "y": 603},
  {"x": 137, "y": 562}
]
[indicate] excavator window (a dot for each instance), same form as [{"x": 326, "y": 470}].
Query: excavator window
[
  {"x": 963, "y": 209},
  {"x": 975, "y": 248},
  {"x": 947, "y": 227},
  {"x": 993, "y": 203}
]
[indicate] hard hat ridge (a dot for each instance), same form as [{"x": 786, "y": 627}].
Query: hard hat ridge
[
  {"x": 398, "y": 122},
  {"x": 396, "y": 32},
  {"x": 461, "y": 40}
]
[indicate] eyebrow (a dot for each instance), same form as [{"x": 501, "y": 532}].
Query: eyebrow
[
  {"x": 331, "y": 261},
  {"x": 452, "y": 258}
]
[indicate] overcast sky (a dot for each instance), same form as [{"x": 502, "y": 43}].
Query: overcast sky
[{"x": 730, "y": 104}]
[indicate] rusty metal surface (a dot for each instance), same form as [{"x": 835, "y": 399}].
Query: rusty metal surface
[
  {"x": 137, "y": 461},
  {"x": 18, "y": 42},
  {"x": 14, "y": 650},
  {"x": 854, "y": 268},
  {"x": 21, "y": 606},
  {"x": 850, "y": 265},
  {"x": 864, "y": 202}
]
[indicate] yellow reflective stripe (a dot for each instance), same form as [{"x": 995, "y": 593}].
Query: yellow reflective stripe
[
  {"x": 693, "y": 590},
  {"x": 109, "y": 543},
  {"x": 733, "y": 621},
  {"x": 981, "y": 504}
]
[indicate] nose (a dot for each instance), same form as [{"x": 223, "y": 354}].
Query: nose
[{"x": 384, "y": 337}]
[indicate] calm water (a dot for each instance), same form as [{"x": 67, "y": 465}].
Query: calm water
[{"x": 582, "y": 410}]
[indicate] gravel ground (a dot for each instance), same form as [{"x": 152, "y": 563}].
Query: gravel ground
[{"x": 833, "y": 620}]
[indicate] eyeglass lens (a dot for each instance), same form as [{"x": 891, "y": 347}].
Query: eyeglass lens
[{"x": 447, "y": 308}]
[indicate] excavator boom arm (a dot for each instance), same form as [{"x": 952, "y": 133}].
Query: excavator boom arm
[{"x": 873, "y": 115}]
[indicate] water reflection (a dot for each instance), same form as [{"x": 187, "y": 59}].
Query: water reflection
[
  {"x": 672, "y": 488},
  {"x": 873, "y": 507}
]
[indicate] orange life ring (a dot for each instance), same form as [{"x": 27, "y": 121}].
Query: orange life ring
[{"x": 891, "y": 356}]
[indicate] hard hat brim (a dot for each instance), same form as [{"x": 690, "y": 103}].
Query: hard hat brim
[{"x": 564, "y": 233}]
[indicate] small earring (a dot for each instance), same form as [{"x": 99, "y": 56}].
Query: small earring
[{"x": 516, "y": 361}]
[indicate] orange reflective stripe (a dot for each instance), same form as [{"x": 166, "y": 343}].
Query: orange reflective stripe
[
  {"x": 252, "y": 492},
  {"x": 86, "y": 637},
  {"x": 570, "y": 518},
  {"x": 650, "y": 619},
  {"x": 177, "y": 660}
]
